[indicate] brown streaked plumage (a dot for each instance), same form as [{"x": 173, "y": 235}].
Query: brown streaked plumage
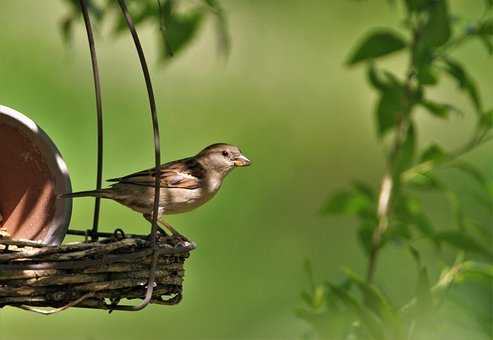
[
  {"x": 185, "y": 184},
  {"x": 184, "y": 173}
]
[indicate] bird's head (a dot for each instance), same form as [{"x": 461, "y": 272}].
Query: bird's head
[{"x": 222, "y": 157}]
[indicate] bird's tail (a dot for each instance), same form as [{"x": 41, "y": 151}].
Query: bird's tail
[{"x": 91, "y": 193}]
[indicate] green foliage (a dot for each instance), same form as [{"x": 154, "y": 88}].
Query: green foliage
[
  {"x": 396, "y": 214},
  {"x": 359, "y": 200},
  {"x": 464, "y": 81},
  {"x": 434, "y": 31},
  {"x": 437, "y": 109},
  {"x": 177, "y": 21},
  {"x": 179, "y": 29},
  {"x": 389, "y": 107},
  {"x": 463, "y": 241},
  {"x": 377, "y": 44},
  {"x": 433, "y": 153}
]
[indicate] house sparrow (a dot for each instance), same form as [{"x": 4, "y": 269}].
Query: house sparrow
[{"x": 185, "y": 184}]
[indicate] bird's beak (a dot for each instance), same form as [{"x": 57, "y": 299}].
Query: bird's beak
[{"x": 242, "y": 161}]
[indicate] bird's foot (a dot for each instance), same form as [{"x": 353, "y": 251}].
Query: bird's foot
[{"x": 177, "y": 239}]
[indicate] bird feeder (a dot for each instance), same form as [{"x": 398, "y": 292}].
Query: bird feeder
[
  {"x": 32, "y": 171},
  {"x": 37, "y": 272}
]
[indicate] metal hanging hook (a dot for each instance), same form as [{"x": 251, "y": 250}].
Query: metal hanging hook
[
  {"x": 99, "y": 111},
  {"x": 157, "y": 156}
]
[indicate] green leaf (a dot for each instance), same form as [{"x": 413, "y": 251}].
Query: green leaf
[
  {"x": 315, "y": 297},
  {"x": 180, "y": 30},
  {"x": 488, "y": 44},
  {"x": 423, "y": 224},
  {"x": 398, "y": 232},
  {"x": 463, "y": 241},
  {"x": 392, "y": 103},
  {"x": 367, "y": 318},
  {"x": 472, "y": 171},
  {"x": 437, "y": 109},
  {"x": 476, "y": 268},
  {"x": 484, "y": 32},
  {"x": 307, "y": 298},
  {"x": 409, "y": 210},
  {"x": 433, "y": 153},
  {"x": 222, "y": 32},
  {"x": 472, "y": 293},
  {"x": 417, "y": 5},
  {"x": 376, "y": 45},
  {"x": 479, "y": 178},
  {"x": 66, "y": 27},
  {"x": 424, "y": 181},
  {"x": 67, "y": 23},
  {"x": 359, "y": 200},
  {"x": 483, "y": 231},
  {"x": 318, "y": 299},
  {"x": 364, "y": 189},
  {"x": 405, "y": 156},
  {"x": 346, "y": 202},
  {"x": 436, "y": 32},
  {"x": 426, "y": 75},
  {"x": 375, "y": 300},
  {"x": 456, "y": 207},
  {"x": 464, "y": 81},
  {"x": 437, "y": 29},
  {"x": 376, "y": 79},
  {"x": 485, "y": 27},
  {"x": 487, "y": 119},
  {"x": 141, "y": 12}
]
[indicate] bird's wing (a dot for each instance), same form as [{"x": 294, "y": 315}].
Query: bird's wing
[{"x": 186, "y": 173}]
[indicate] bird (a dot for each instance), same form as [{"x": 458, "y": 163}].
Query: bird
[{"x": 185, "y": 184}]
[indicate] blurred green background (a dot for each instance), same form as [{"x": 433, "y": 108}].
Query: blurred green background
[{"x": 284, "y": 96}]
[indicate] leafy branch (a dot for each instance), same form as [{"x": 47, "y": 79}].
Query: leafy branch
[
  {"x": 395, "y": 213},
  {"x": 177, "y": 22}
]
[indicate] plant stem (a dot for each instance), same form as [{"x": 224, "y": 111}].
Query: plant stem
[
  {"x": 385, "y": 196},
  {"x": 391, "y": 180},
  {"x": 383, "y": 223},
  {"x": 478, "y": 139}
]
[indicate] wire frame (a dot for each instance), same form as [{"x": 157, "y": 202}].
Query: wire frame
[{"x": 93, "y": 233}]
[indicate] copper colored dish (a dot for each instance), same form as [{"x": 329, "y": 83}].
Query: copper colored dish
[{"x": 32, "y": 173}]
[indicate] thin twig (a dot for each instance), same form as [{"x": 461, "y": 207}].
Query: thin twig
[
  {"x": 427, "y": 166},
  {"x": 383, "y": 223}
]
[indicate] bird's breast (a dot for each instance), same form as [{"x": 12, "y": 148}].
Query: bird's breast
[{"x": 178, "y": 200}]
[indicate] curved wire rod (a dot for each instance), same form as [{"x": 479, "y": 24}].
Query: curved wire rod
[
  {"x": 99, "y": 110},
  {"x": 157, "y": 156},
  {"x": 56, "y": 310}
]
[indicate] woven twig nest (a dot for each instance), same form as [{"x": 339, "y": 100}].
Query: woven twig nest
[{"x": 90, "y": 274}]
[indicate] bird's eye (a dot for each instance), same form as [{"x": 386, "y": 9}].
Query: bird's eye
[{"x": 225, "y": 154}]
